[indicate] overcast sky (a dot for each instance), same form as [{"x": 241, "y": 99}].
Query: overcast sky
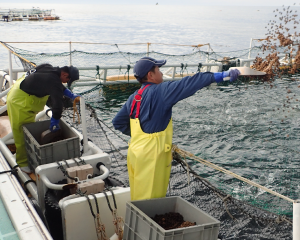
[{"x": 163, "y": 2}]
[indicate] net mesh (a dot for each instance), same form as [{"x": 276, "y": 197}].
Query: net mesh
[
  {"x": 252, "y": 130},
  {"x": 241, "y": 214},
  {"x": 121, "y": 58}
]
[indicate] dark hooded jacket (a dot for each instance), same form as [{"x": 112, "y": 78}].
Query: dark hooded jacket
[{"x": 46, "y": 81}]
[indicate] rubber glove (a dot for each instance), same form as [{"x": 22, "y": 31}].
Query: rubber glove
[
  {"x": 54, "y": 125},
  {"x": 232, "y": 73},
  {"x": 71, "y": 95}
]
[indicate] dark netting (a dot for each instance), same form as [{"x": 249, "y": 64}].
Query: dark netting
[
  {"x": 96, "y": 59},
  {"x": 239, "y": 219}
]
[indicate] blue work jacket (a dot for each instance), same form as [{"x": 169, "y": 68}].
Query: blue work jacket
[{"x": 157, "y": 102}]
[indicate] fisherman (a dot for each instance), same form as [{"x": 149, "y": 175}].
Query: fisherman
[
  {"x": 28, "y": 97},
  {"x": 147, "y": 118}
]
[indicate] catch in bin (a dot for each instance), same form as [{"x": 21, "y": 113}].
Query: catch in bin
[{"x": 139, "y": 223}]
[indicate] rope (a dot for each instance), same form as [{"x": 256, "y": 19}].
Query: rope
[
  {"x": 211, "y": 165},
  {"x": 227, "y": 198},
  {"x": 181, "y": 70},
  {"x": 68, "y": 166},
  {"x": 13, "y": 52},
  {"x": 97, "y": 76},
  {"x": 12, "y": 171},
  {"x": 128, "y": 59},
  {"x": 100, "y": 226},
  {"x": 182, "y": 45},
  {"x": 117, "y": 221},
  {"x": 199, "y": 67},
  {"x": 187, "y": 169},
  {"x": 128, "y": 68},
  {"x": 76, "y": 100},
  {"x": 60, "y": 166},
  {"x": 77, "y": 163},
  {"x": 82, "y": 161}
]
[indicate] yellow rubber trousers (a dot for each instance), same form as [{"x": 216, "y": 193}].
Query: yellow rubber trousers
[
  {"x": 149, "y": 161},
  {"x": 22, "y": 108}
]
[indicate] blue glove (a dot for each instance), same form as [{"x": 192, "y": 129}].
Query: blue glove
[
  {"x": 71, "y": 95},
  {"x": 54, "y": 125},
  {"x": 75, "y": 96},
  {"x": 233, "y": 74}
]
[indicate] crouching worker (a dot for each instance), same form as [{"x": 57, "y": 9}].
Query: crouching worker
[
  {"x": 147, "y": 118},
  {"x": 28, "y": 97}
]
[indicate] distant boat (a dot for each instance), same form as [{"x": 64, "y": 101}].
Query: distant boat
[
  {"x": 33, "y": 14},
  {"x": 51, "y": 18}
]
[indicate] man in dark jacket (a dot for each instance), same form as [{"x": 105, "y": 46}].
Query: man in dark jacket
[{"x": 28, "y": 97}]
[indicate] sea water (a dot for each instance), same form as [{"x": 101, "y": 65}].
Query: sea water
[
  {"x": 224, "y": 28},
  {"x": 250, "y": 128}
]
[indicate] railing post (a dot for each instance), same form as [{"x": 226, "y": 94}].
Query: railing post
[
  {"x": 10, "y": 69},
  {"x": 241, "y": 63},
  {"x": 70, "y": 49},
  {"x": 104, "y": 75},
  {"x": 220, "y": 66},
  {"x": 249, "y": 55},
  {"x": 84, "y": 126},
  {"x": 208, "y": 50},
  {"x": 1, "y": 80},
  {"x": 174, "y": 71},
  {"x": 148, "y": 47},
  {"x": 296, "y": 220}
]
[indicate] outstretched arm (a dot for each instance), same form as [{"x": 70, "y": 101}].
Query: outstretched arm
[{"x": 178, "y": 90}]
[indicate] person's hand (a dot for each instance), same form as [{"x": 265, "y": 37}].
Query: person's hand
[
  {"x": 75, "y": 96},
  {"x": 233, "y": 74},
  {"x": 71, "y": 95},
  {"x": 54, "y": 125}
]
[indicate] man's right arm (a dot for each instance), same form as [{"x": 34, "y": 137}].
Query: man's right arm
[
  {"x": 121, "y": 121},
  {"x": 175, "y": 91}
]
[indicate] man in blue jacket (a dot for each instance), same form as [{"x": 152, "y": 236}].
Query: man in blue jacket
[{"x": 146, "y": 117}]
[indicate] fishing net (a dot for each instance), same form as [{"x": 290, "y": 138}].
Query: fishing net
[
  {"x": 96, "y": 60},
  {"x": 255, "y": 136},
  {"x": 244, "y": 211}
]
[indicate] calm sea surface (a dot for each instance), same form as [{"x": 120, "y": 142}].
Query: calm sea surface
[
  {"x": 225, "y": 28},
  {"x": 251, "y": 128}
]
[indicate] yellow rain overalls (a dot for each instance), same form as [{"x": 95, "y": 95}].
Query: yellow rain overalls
[
  {"x": 149, "y": 158},
  {"x": 22, "y": 108}
]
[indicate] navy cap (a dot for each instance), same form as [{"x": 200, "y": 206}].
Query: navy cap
[
  {"x": 74, "y": 75},
  {"x": 144, "y": 65}
]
